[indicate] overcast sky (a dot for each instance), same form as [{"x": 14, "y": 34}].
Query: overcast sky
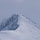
[{"x": 29, "y": 8}]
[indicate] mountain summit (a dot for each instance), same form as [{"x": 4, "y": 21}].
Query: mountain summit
[{"x": 24, "y": 29}]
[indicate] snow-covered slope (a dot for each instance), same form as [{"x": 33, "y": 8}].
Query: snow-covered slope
[
  {"x": 25, "y": 31},
  {"x": 10, "y": 23}
]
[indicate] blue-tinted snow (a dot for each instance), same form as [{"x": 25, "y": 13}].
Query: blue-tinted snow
[{"x": 10, "y": 23}]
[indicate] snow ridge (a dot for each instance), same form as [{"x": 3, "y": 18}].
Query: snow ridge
[{"x": 25, "y": 31}]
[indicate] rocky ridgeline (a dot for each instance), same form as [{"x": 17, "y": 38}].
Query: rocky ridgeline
[{"x": 10, "y": 23}]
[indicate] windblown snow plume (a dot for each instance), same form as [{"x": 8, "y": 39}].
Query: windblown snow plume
[{"x": 18, "y": 27}]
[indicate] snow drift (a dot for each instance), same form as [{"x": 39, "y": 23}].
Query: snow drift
[{"x": 25, "y": 30}]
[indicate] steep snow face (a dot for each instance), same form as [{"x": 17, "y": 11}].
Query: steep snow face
[
  {"x": 10, "y": 23},
  {"x": 25, "y": 31}
]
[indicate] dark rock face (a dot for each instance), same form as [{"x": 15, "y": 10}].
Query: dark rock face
[{"x": 10, "y": 24}]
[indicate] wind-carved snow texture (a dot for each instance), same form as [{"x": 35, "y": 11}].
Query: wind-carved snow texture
[
  {"x": 10, "y": 24},
  {"x": 25, "y": 31}
]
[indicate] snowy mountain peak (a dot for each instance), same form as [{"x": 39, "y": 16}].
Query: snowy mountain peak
[
  {"x": 24, "y": 30},
  {"x": 17, "y": 21}
]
